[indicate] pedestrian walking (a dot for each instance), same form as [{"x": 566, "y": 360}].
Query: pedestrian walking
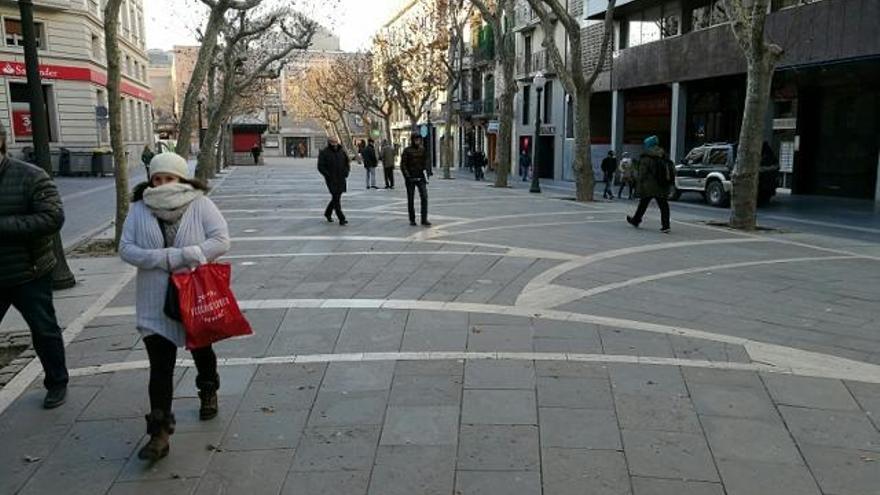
[
  {"x": 301, "y": 150},
  {"x": 413, "y": 167},
  {"x": 525, "y": 162},
  {"x": 146, "y": 156},
  {"x": 370, "y": 163},
  {"x": 627, "y": 175},
  {"x": 171, "y": 226},
  {"x": 334, "y": 165},
  {"x": 256, "y": 151},
  {"x": 30, "y": 215},
  {"x": 388, "y": 156},
  {"x": 656, "y": 176},
  {"x": 609, "y": 167},
  {"x": 480, "y": 161}
]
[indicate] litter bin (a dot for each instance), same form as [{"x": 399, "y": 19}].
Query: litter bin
[
  {"x": 102, "y": 162},
  {"x": 64, "y": 162},
  {"x": 55, "y": 159},
  {"x": 80, "y": 162}
]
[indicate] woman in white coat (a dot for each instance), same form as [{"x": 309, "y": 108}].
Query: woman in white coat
[{"x": 171, "y": 226}]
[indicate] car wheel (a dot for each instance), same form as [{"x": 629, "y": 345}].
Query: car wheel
[
  {"x": 675, "y": 194},
  {"x": 715, "y": 194}
]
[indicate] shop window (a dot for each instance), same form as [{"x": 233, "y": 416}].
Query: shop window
[
  {"x": 22, "y": 128},
  {"x": 15, "y": 37},
  {"x": 526, "y": 100}
]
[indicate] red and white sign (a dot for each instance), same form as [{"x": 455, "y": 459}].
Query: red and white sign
[
  {"x": 66, "y": 73},
  {"x": 21, "y": 123}
]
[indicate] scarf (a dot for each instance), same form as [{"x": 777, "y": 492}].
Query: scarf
[{"x": 169, "y": 202}]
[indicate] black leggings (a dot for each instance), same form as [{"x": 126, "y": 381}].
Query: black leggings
[{"x": 163, "y": 355}]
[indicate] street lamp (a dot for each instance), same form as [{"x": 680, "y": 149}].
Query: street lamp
[{"x": 539, "y": 81}]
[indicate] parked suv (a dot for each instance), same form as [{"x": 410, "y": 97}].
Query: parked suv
[{"x": 707, "y": 169}]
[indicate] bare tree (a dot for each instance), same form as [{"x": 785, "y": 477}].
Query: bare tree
[
  {"x": 255, "y": 48},
  {"x": 747, "y": 20},
  {"x": 114, "y": 97},
  {"x": 457, "y": 16},
  {"x": 494, "y": 13},
  {"x": 317, "y": 94},
  {"x": 216, "y": 21},
  {"x": 410, "y": 60},
  {"x": 575, "y": 79},
  {"x": 372, "y": 94}
]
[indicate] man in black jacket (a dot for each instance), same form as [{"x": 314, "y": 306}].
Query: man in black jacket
[
  {"x": 413, "y": 167},
  {"x": 333, "y": 164},
  {"x": 371, "y": 161},
  {"x": 609, "y": 167},
  {"x": 30, "y": 215}
]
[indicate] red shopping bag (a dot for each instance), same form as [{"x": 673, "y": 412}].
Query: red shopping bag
[{"x": 208, "y": 307}]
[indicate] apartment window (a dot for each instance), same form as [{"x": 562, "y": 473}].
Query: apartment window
[
  {"x": 548, "y": 102},
  {"x": 96, "y": 47},
  {"x": 22, "y": 128},
  {"x": 14, "y": 36},
  {"x": 526, "y": 99},
  {"x": 707, "y": 13},
  {"x": 654, "y": 24},
  {"x": 94, "y": 7},
  {"x": 527, "y": 41},
  {"x": 101, "y": 98}
]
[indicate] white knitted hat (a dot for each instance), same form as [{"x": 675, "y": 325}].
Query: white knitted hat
[{"x": 169, "y": 163}]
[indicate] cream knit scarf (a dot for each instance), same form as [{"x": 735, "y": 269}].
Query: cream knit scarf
[{"x": 169, "y": 202}]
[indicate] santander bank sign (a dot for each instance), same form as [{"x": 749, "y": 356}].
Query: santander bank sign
[{"x": 67, "y": 73}]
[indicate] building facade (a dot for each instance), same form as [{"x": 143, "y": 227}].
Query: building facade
[
  {"x": 161, "y": 79},
  {"x": 74, "y": 75}
]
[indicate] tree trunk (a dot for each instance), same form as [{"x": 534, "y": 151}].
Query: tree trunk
[
  {"x": 197, "y": 80},
  {"x": 583, "y": 160},
  {"x": 446, "y": 152},
  {"x": 744, "y": 201},
  {"x": 114, "y": 98},
  {"x": 506, "y": 115},
  {"x": 388, "y": 136}
]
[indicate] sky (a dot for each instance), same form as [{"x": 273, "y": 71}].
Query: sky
[{"x": 173, "y": 22}]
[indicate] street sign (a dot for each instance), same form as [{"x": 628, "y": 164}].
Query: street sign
[
  {"x": 548, "y": 130},
  {"x": 493, "y": 127},
  {"x": 423, "y": 131}
]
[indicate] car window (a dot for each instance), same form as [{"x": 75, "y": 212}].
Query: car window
[
  {"x": 695, "y": 157},
  {"x": 718, "y": 156}
]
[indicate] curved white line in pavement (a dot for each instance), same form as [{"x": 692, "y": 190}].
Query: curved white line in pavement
[
  {"x": 318, "y": 210},
  {"x": 590, "y": 220},
  {"x": 564, "y": 294},
  {"x": 508, "y": 254},
  {"x": 796, "y": 361},
  {"x": 361, "y": 357},
  {"x": 523, "y": 252},
  {"x": 540, "y": 283}
]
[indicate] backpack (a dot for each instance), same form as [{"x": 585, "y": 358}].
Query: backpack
[{"x": 663, "y": 172}]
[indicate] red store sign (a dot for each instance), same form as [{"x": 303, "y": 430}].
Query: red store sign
[
  {"x": 65, "y": 73},
  {"x": 21, "y": 123}
]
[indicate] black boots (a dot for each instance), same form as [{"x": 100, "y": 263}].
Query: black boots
[
  {"x": 209, "y": 407},
  {"x": 160, "y": 426}
]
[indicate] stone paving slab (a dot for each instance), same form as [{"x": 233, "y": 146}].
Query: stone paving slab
[{"x": 681, "y": 415}]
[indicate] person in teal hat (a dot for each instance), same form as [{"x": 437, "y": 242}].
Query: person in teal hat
[{"x": 656, "y": 176}]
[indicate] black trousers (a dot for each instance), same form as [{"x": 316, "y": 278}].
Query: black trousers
[
  {"x": 663, "y": 203},
  {"x": 163, "y": 355},
  {"x": 422, "y": 186},
  {"x": 34, "y": 301},
  {"x": 626, "y": 183},
  {"x": 389, "y": 177},
  {"x": 609, "y": 179},
  {"x": 335, "y": 204}
]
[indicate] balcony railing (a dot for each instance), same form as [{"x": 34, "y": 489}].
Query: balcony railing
[{"x": 526, "y": 66}]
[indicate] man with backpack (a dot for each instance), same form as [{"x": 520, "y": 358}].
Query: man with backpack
[{"x": 656, "y": 177}]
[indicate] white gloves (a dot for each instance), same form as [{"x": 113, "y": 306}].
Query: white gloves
[{"x": 193, "y": 256}]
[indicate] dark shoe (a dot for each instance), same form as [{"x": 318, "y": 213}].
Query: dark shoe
[
  {"x": 343, "y": 222},
  {"x": 426, "y": 223},
  {"x": 412, "y": 222},
  {"x": 665, "y": 230},
  {"x": 209, "y": 406},
  {"x": 55, "y": 397},
  {"x": 329, "y": 218},
  {"x": 160, "y": 427},
  {"x": 631, "y": 221}
]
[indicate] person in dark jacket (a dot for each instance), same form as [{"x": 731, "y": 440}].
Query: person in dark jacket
[
  {"x": 653, "y": 183},
  {"x": 334, "y": 165},
  {"x": 388, "y": 156},
  {"x": 525, "y": 163},
  {"x": 609, "y": 167},
  {"x": 370, "y": 163},
  {"x": 256, "y": 151},
  {"x": 480, "y": 161},
  {"x": 146, "y": 156},
  {"x": 30, "y": 215},
  {"x": 413, "y": 166}
]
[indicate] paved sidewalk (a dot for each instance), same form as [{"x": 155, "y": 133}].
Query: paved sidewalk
[{"x": 524, "y": 345}]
